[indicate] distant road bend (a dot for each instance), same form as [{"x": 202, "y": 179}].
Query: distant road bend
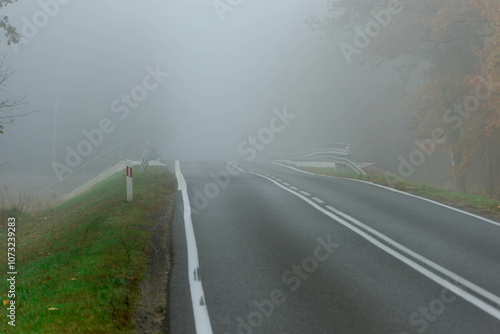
[{"x": 264, "y": 248}]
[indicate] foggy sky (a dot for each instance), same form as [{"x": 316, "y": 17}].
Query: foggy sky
[{"x": 224, "y": 80}]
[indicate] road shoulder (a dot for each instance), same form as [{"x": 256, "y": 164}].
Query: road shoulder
[{"x": 152, "y": 315}]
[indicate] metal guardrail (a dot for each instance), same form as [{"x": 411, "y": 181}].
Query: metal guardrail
[
  {"x": 348, "y": 163},
  {"x": 145, "y": 159},
  {"x": 314, "y": 155},
  {"x": 337, "y": 156},
  {"x": 333, "y": 145}
]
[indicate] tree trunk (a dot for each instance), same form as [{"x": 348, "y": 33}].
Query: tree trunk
[
  {"x": 493, "y": 164},
  {"x": 456, "y": 158}
]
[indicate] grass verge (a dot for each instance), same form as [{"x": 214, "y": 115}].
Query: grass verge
[
  {"x": 484, "y": 205},
  {"x": 80, "y": 264}
]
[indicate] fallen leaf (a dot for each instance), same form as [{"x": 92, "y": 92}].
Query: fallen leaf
[
  {"x": 5, "y": 302},
  {"x": 53, "y": 309}
]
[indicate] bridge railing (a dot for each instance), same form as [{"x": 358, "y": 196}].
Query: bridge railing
[{"x": 86, "y": 171}]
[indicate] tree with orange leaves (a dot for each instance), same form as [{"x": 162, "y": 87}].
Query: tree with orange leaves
[
  {"x": 481, "y": 140},
  {"x": 443, "y": 41}
]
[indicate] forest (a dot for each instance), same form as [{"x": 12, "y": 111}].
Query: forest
[{"x": 447, "y": 53}]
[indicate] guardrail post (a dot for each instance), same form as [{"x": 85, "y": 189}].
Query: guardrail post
[{"x": 129, "y": 181}]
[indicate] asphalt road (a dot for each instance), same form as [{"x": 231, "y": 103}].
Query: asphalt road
[{"x": 268, "y": 249}]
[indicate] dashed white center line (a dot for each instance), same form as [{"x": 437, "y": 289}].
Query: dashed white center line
[
  {"x": 305, "y": 193},
  {"x": 294, "y": 188},
  {"x": 318, "y": 200},
  {"x": 234, "y": 166},
  {"x": 460, "y": 286},
  {"x": 286, "y": 184}
]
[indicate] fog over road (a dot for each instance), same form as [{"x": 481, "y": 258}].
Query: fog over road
[
  {"x": 275, "y": 250},
  {"x": 406, "y": 89}
]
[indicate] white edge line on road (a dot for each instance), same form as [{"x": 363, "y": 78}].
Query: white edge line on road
[
  {"x": 439, "y": 280},
  {"x": 201, "y": 317},
  {"x": 397, "y": 191}
]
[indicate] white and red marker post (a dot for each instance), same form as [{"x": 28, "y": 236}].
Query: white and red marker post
[{"x": 129, "y": 181}]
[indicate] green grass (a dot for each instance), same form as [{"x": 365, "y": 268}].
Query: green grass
[
  {"x": 80, "y": 264},
  {"x": 481, "y": 204}
]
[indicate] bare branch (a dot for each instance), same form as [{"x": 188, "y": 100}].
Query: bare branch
[{"x": 11, "y": 108}]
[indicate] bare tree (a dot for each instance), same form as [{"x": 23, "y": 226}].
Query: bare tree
[{"x": 10, "y": 107}]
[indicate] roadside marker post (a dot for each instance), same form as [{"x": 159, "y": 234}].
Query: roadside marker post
[{"x": 129, "y": 181}]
